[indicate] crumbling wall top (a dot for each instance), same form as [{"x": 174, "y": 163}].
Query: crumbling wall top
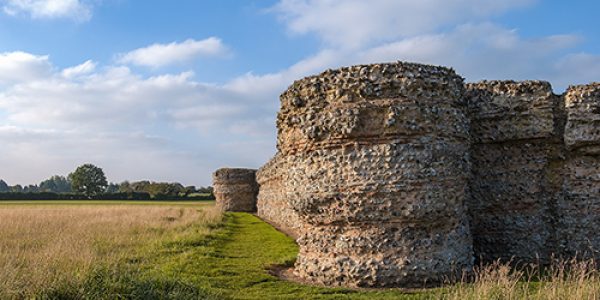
[
  {"x": 235, "y": 189},
  {"x": 366, "y": 102},
  {"x": 582, "y": 130},
  {"x": 513, "y": 88},
  {"x": 234, "y": 175},
  {"x": 355, "y": 83},
  {"x": 512, "y": 110}
]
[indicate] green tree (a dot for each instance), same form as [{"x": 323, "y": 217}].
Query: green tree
[
  {"x": 88, "y": 180},
  {"x": 155, "y": 188},
  {"x": 125, "y": 187},
  {"x": 205, "y": 190},
  {"x": 32, "y": 188},
  {"x": 56, "y": 184},
  {"x": 16, "y": 188},
  {"x": 189, "y": 190},
  {"x": 112, "y": 188},
  {"x": 4, "y": 187}
]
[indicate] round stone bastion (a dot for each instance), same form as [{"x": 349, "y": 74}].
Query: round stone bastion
[
  {"x": 374, "y": 161},
  {"x": 235, "y": 189}
]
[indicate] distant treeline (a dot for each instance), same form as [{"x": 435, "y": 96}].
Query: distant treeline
[
  {"x": 107, "y": 196},
  {"x": 89, "y": 182},
  {"x": 60, "y": 185}
]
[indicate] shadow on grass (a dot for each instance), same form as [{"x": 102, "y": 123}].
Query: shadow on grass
[{"x": 104, "y": 283}]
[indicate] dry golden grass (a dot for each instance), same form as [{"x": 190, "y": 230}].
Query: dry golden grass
[
  {"x": 563, "y": 280},
  {"x": 42, "y": 247}
]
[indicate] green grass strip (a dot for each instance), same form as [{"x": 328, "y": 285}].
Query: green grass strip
[
  {"x": 233, "y": 263},
  {"x": 230, "y": 262}
]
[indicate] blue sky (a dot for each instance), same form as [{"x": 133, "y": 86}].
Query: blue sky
[
  {"x": 171, "y": 90},
  {"x": 259, "y": 43}
]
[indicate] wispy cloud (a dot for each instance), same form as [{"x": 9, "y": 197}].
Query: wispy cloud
[
  {"x": 458, "y": 34},
  {"x": 110, "y": 115},
  {"x": 49, "y": 9},
  {"x": 159, "y": 55},
  {"x": 82, "y": 69},
  {"x": 358, "y": 23},
  {"x": 23, "y": 67}
]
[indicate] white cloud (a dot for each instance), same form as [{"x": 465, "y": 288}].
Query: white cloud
[
  {"x": 49, "y": 9},
  {"x": 357, "y": 23},
  {"x": 82, "y": 69},
  {"x": 482, "y": 51},
  {"x": 162, "y": 127},
  {"x": 451, "y": 33},
  {"x": 476, "y": 51},
  {"x": 158, "y": 55},
  {"x": 20, "y": 66}
]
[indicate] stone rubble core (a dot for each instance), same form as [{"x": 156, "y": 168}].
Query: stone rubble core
[
  {"x": 516, "y": 151},
  {"x": 235, "y": 189},
  {"x": 371, "y": 176},
  {"x": 579, "y": 204},
  {"x": 535, "y": 187},
  {"x": 399, "y": 174}
]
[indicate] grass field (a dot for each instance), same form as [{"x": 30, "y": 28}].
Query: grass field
[
  {"x": 5, "y": 203},
  {"x": 189, "y": 251},
  {"x": 54, "y": 249}
]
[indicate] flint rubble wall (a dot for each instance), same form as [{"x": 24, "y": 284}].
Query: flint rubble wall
[
  {"x": 372, "y": 171},
  {"x": 399, "y": 174},
  {"x": 235, "y": 189},
  {"x": 579, "y": 206},
  {"x": 535, "y": 190},
  {"x": 517, "y": 143}
]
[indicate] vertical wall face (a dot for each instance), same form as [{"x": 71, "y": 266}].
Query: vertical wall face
[
  {"x": 516, "y": 155},
  {"x": 580, "y": 207},
  {"x": 235, "y": 189},
  {"x": 273, "y": 204},
  {"x": 375, "y": 164},
  {"x": 372, "y": 167}
]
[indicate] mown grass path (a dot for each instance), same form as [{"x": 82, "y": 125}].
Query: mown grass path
[{"x": 233, "y": 263}]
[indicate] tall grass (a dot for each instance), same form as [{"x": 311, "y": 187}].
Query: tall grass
[
  {"x": 562, "y": 280},
  {"x": 161, "y": 252},
  {"x": 44, "y": 248}
]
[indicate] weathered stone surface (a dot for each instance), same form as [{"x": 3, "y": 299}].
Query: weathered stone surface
[
  {"x": 274, "y": 205},
  {"x": 502, "y": 111},
  {"x": 513, "y": 201},
  {"x": 582, "y": 132},
  {"x": 370, "y": 103},
  {"x": 235, "y": 189},
  {"x": 579, "y": 208},
  {"x": 371, "y": 175},
  {"x": 375, "y": 164},
  {"x": 516, "y": 154}
]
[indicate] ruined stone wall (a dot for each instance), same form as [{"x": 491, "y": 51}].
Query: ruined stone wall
[
  {"x": 372, "y": 173},
  {"x": 377, "y": 166},
  {"x": 516, "y": 155},
  {"x": 579, "y": 208},
  {"x": 235, "y": 189},
  {"x": 273, "y": 204},
  {"x": 536, "y": 171}
]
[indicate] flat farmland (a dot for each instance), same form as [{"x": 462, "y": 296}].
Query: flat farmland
[
  {"x": 56, "y": 249},
  {"x": 148, "y": 250},
  {"x": 189, "y": 250}
]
